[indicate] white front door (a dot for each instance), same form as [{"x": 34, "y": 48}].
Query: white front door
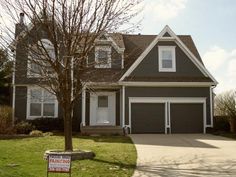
[{"x": 102, "y": 108}]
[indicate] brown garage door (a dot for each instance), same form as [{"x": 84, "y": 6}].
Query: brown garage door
[
  {"x": 186, "y": 117},
  {"x": 148, "y": 117}
]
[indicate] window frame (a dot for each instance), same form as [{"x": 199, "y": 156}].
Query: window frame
[
  {"x": 41, "y": 102},
  {"x": 108, "y": 50},
  {"x": 49, "y": 49},
  {"x": 160, "y": 59}
]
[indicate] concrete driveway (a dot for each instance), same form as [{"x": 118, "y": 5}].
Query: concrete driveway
[{"x": 184, "y": 155}]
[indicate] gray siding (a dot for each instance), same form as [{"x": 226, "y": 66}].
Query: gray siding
[
  {"x": 166, "y": 92},
  {"x": 20, "y": 103},
  {"x": 77, "y": 112},
  {"x": 149, "y": 66}
]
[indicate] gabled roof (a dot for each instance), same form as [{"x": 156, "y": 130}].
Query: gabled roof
[{"x": 187, "y": 46}]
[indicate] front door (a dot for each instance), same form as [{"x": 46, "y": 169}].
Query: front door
[{"x": 102, "y": 108}]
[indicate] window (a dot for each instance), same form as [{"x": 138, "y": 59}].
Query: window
[
  {"x": 102, "y": 57},
  {"x": 166, "y": 58},
  {"x": 41, "y": 103},
  {"x": 102, "y": 101},
  {"x": 36, "y": 61}
]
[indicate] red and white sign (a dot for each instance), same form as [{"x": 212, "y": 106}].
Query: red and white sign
[{"x": 59, "y": 163}]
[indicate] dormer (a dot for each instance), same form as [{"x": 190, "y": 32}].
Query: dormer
[{"x": 109, "y": 51}]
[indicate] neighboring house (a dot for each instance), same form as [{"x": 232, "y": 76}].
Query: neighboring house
[{"x": 149, "y": 83}]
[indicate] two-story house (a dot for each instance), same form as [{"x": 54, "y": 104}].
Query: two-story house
[{"x": 149, "y": 83}]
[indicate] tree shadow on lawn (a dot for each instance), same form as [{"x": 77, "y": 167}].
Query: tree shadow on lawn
[
  {"x": 15, "y": 137},
  {"x": 107, "y": 139},
  {"x": 118, "y": 164}
]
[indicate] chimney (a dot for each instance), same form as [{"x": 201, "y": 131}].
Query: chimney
[
  {"x": 20, "y": 26},
  {"x": 22, "y": 18}
]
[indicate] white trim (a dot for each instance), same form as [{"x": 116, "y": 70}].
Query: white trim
[
  {"x": 111, "y": 108},
  {"x": 211, "y": 107},
  {"x": 166, "y": 84},
  {"x": 166, "y": 117},
  {"x": 110, "y": 39},
  {"x": 160, "y": 58},
  {"x": 168, "y": 100},
  {"x": 28, "y": 117},
  {"x": 179, "y": 43},
  {"x": 123, "y": 106},
  {"x": 122, "y": 61},
  {"x": 83, "y": 105}
]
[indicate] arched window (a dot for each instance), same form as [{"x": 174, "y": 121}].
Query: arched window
[{"x": 47, "y": 44}]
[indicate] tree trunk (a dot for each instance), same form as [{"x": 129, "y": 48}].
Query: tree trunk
[
  {"x": 232, "y": 123},
  {"x": 68, "y": 130}
]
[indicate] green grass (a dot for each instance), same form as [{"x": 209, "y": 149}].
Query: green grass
[{"x": 115, "y": 156}]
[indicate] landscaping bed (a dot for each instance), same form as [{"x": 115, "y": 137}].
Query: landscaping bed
[{"x": 115, "y": 156}]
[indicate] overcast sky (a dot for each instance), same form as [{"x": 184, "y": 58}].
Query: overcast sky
[{"x": 212, "y": 25}]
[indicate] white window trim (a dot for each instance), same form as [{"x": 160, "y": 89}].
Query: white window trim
[
  {"x": 105, "y": 65},
  {"x": 28, "y": 117},
  {"x": 30, "y": 74},
  {"x": 172, "y": 49}
]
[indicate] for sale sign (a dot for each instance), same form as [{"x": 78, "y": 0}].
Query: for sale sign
[{"x": 59, "y": 163}]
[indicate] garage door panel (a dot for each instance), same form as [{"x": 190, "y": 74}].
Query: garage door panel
[
  {"x": 148, "y": 117},
  {"x": 186, "y": 117}
]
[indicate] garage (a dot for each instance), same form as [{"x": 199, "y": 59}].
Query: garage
[
  {"x": 167, "y": 115},
  {"x": 186, "y": 117},
  {"x": 148, "y": 117}
]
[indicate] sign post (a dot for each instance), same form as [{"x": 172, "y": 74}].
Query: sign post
[{"x": 59, "y": 164}]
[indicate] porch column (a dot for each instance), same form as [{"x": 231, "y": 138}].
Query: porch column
[
  {"x": 83, "y": 105},
  {"x": 123, "y": 105}
]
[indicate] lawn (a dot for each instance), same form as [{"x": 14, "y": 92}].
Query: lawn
[{"x": 115, "y": 156}]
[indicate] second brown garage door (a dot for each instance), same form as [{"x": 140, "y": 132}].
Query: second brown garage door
[
  {"x": 148, "y": 117},
  {"x": 186, "y": 117}
]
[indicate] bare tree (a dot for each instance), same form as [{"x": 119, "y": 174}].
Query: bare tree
[
  {"x": 71, "y": 28},
  {"x": 225, "y": 105}
]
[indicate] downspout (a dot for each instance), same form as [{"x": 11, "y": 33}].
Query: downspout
[{"x": 13, "y": 89}]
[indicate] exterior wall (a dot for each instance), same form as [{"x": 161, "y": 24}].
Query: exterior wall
[
  {"x": 149, "y": 66},
  {"x": 77, "y": 114},
  {"x": 116, "y": 58},
  {"x": 20, "y": 103},
  {"x": 22, "y": 56},
  {"x": 167, "y": 92},
  {"x": 87, "y": 110}
]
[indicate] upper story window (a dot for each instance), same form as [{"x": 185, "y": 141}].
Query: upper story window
[
  {"x": 37, "y": 63},
  {"x": 166, "y": 58},
  {"x": 103, "y": 57}
]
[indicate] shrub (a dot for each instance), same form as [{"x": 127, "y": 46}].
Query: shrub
[
  {"x": 47, "y": 124},
  {"x": 6, "y": 120},
  {"x": 24, "y": 127},
  {"x": 221, "y": 123},
  {"x": 36, "y": 133}
]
